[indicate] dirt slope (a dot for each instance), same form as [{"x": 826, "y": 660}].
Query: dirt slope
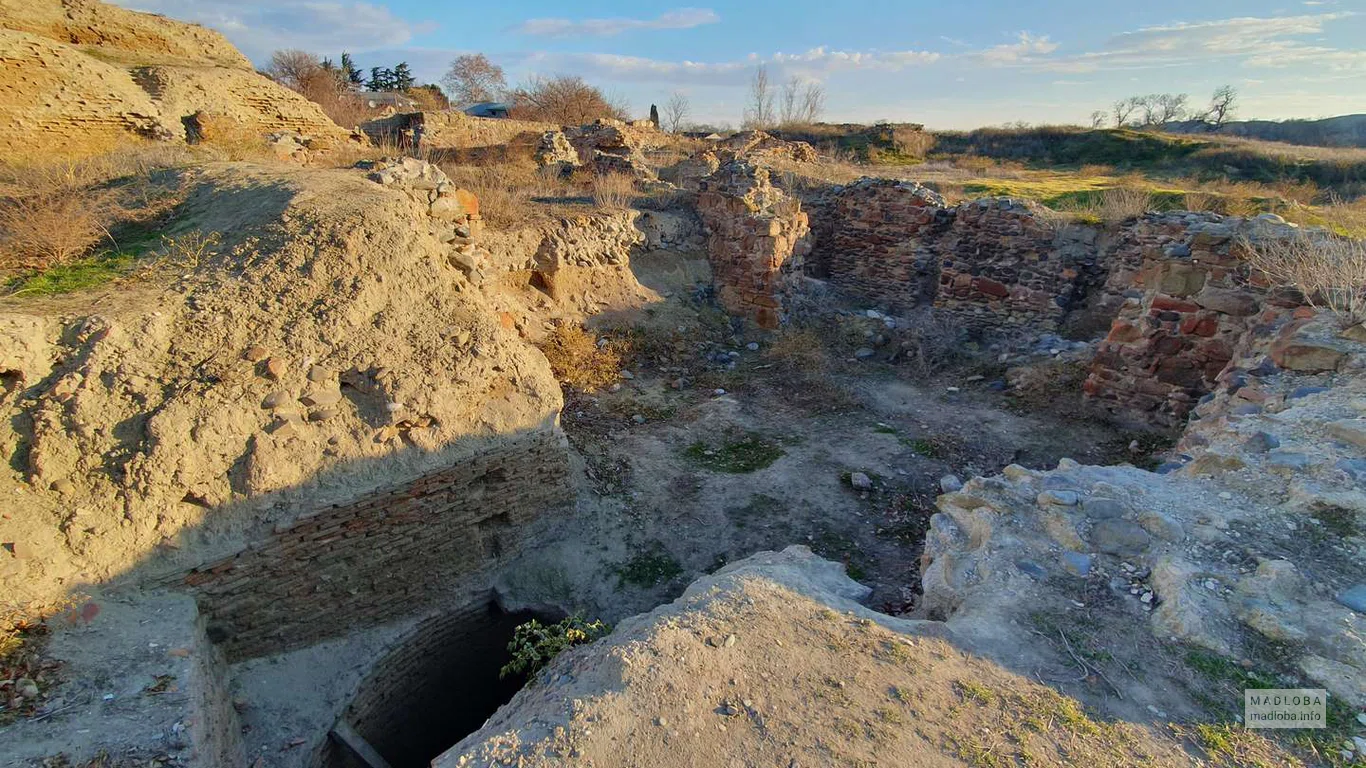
[
  {"x": 80, "y": 77},
  {"x": 772, "y": 662},
  {"x": 303, "y": 358}
]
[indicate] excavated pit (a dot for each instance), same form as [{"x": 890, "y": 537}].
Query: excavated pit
[{"x": 436, "y": 686}]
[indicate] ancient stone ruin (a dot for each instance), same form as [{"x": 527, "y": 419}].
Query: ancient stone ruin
[{"x": 288, "y": 503}]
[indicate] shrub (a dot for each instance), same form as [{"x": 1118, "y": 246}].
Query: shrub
[
  {"x": 534, "y": 644},
  {"x": 53, "y": 227},
  {"x": 1329, "y": 271},
  {"x": 56, "y": 213},
  {"x": 930, "y": 341}
]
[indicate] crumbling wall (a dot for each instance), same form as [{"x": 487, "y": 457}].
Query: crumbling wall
[
  {"x": 755, "y": 234},
  {"x": 1003, "y": 265},
  {"x": 876, "y": 239},
  {"x": 993, "y": 263},
  {"x": 1188, "y": 306}
]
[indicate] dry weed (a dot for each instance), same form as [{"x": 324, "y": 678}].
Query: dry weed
[
  {"x": 1124, "y": 203},
  {"x": 614, "y": 191},
  {"x": 512, "y": 194},
  {"x": 930, "y": 341},
  {"x": 579, "y": 361},
  {"x": 53, "y": 213},
  {"x": 1329, "y": 271},
  {"x": 799, "y": 350}
]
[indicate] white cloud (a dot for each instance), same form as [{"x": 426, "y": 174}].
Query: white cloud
[
  {"x": 682, "y": 18},
  {"x": 1249, "y": 41},
  {"x": 812, "y": 64},
  {"x": 259, "y": 27},
  {"x": 1026, "y": 48}
]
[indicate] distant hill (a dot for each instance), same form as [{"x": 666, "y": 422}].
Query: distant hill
[{"x": 1343, "y": 131}]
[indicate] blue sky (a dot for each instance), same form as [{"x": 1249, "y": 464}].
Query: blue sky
[{"x": 946, "y": 64}]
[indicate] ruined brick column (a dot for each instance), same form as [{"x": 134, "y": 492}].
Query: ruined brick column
[{"x": 754, "y": 229}]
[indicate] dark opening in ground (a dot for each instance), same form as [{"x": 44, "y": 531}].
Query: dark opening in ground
[{"x": 438, "y": 686}]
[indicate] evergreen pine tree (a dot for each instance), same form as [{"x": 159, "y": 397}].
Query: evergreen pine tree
[
  {"x": 349, "y": 71},
  {"x": 402, "y": 78}
]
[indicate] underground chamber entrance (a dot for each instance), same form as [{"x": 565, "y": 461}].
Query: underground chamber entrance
[{"x": 435, "y": 688}]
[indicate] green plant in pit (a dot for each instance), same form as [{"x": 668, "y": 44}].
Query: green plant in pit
[
  {"x": 749, "y": 453},
  {"x": 534, "y": 644},
  {"x": 927, "y": 448},
  {"x": 650, "y": 567}
]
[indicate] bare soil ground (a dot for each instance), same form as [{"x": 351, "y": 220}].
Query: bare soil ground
[{"x": 754, "y": 455}]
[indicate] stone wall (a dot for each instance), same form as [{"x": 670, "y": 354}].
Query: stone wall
[
  {"x": 876, "y": 239},
  {"x": 1004, "y": 265},
  {"x": 756, "y": 233},
  {"x": 385, "y": 555},
  {"x": 1187, "y": 306}
]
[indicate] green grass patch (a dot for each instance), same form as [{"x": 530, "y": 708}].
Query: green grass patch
[
  {"x": 78, "y": 275},
  {"x": 652, "y": 566},
  {"x": 925, "y": 447},
  {"x": 739, "y": 456}
]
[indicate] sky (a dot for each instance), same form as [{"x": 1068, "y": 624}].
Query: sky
[{"x": 946, "y": 64}]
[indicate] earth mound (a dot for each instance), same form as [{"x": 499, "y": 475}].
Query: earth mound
[{"x": 81, "y": 77}]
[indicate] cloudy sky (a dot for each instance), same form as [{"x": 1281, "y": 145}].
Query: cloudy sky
[{"x": 947, "y": 64}]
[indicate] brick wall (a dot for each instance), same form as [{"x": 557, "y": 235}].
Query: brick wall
[
  {"x": 755, "y": 235},
  {"x": 434, "y": 686},
  {"x": 385, "y": 555},
  {"x": 993, "y": 263},
  {"x": 876, "y": 239}
]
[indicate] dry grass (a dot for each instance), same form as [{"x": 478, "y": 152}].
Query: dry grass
[
  {"x": 54, "y": 213},
  {"x": 513, "y": 194},
  {"x": 578, "y": 360},
  {"x": 797, "y": 349},
  {"x": 1329, "y": 271},
  {"x": 614, "y": 192}
]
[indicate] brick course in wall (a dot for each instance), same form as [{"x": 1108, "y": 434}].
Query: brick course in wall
[{"x": 385, "y": 555}]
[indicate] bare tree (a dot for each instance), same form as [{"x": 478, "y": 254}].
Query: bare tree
[
  {"x": 295, "y": 69},
  {"x": 1099, "y": 117},
  {"x": 563, "y": 99},
  {"x": 472, "y": 78},
  {"x": 1171, "y": 107},
  {"x": 676, "y": 111},
  {"x": 1159, "y": 109},
  {"x": 1124, "y": 109},
  {"x": 800, "y": 103},
  {"x": 759, "y": 109},
  {"x": 788, "y": 99},
  {"x": 1221, "y": 107},
  {"x": 813, "y": 102}
]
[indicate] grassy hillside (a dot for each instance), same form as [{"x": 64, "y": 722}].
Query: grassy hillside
[{"x": 1342, "y": 170}]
